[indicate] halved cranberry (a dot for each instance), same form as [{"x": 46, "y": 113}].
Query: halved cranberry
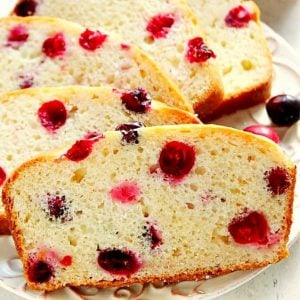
[
  {"x": 92, "y": 40},
  {"x": 251, "y": 228},
  {"x": 2, "y": 176},
  {"x": 80, "y": 150},
  {"x": 25, "y": 8},
  {"x": 278, "y": 180},
  {"x": 265, "y": 131},
  {"x": 159, "y": 26},
  {"x": 153, "y": 235},
  {"x": 52, "y": 115},
  {"x": 18, "y": 35},
  {"x": 177, "y": 159},
  {"x": 129, "y": 132},
  {"x": 126, "y": 192},
  {"x": 119, "y": 262},
  {"x": 40, "y": 271},
  {"x": 137, "y": 100},
  {"x": 197, "y": 51},
  {"x": 238, "y": 17},
  {"x": 66, "y": 261},
  {"x": 54, "y": 46}
]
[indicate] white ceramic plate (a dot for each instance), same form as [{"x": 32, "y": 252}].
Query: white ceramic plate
[{"x": 286, "y": 80}]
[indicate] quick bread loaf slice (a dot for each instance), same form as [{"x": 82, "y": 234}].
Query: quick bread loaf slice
[
  {"x": 234, "y": 31},
  {"x": 40, "y": 51},
  {"x": 166, "y": 30},
  {"x": 37, "y": 120},
  {"x": 175, "y": 203}
]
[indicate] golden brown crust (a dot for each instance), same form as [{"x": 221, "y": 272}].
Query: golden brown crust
[
  {"x": 4, "y": 225},
  {"x": 244, "y": 100}
]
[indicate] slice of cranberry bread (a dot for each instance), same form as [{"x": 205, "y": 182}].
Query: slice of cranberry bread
[
  {"x": 169, "y": 203},
  {"x": 167, "y": 30},
  {"x": 37, "y": 120},
  {"x": 39, "y": 51},
  {"x": 233, "y": 28}
]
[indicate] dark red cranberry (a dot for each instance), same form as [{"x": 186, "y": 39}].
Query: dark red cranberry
[
  {"x": 153, "y": 235},
  {"x": 2, "y": 176},
  {"x": 66, "y": 261},
  {"x": 278, "y": 180},
  {"x": 25, "y": 8},
  {"x": 52, "y": 115},
  {"x": 92, "y": 40},
  {"x": 159, "y": 26},
  {"x": 251, "y": 228},
  {"x": 137, "y": 100},
  {"x": 80, "y": 150},
  {"x": 198, "y": 52},
  {"x": 54, "y": 46},
  {"x": 56, "y": 208},
  {"x": 284, "y": 110},
  {"x": 18, "y": 35},
  {"x": 129, "y": 132},
  {"x": 125, "y": 47},
  {"x": 119, "y": 262},
  {"x": 26, "y": 81},
  {"x": 177, "y": 159},
  {"x": 238, "y": 17},
  {"x": 40, "y": 271},
  {"x": 265, "y": 131}
]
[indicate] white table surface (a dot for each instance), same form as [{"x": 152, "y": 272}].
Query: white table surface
[{"x": 280, "y": 281}]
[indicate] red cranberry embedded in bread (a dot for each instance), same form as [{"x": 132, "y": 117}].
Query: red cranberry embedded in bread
[
  {"x": 137, "y": 100},
  {"x": 177, "y": 159},
  {"x": 66, "y": 261},
  {"x": 25, "y": 8},
  {"x": 238, "y": 17},
  {"x": 265, "y": 131},
  {"x": 126, "y": 192},
  {"x": 284, "y": 110},
  {"x": 52, "y": 115},
  {"x": 159, "y": 26},
  {"x": 197, "y": 51},
  {"x": 2, "y": 176},
  {"x": 153, "y": 235},
  {"x": 278, "y": 180},
  {"x": 119, "y": 262},
  {"x": 26, "y": 81},
  {"x": 80, "y": 150},
  {"x": 54, "y": 46},
  {"x": 40, "y": 271},
  {"x": 124, "y": 47},
  {"x": 18, "y": 35},
  {"x": 129, "y": 132},
  {"x": 251, "y": 228},
  {"x": 92, "y": 40}
]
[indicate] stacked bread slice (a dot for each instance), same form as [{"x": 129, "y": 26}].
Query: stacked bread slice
[
  {"x": 174, "y": 203},
  {"x": 40, "y": 51},
  {"x": 166, "y": 30},
  {"x": 37, "y": 120},
  {"x": 234, "y": 31}
]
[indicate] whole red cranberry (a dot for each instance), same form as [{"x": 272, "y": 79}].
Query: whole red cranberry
[
  {"x": 92, "y": 40},
  {"x": 238, "y": 17},
  {"x": 40, "y": 271},
  {"x": 159, "y": 26},
  {"x": 54, "y": 46},
  {"x": 25, "y": 8},
  {"x": 197, "y": 51},
  {"x": 278, "y": 180},
  {"x": 265, "y": 131},
  {"x": 177, "y": 159},
  {"x": 52, "y": 115},
  {"x": 137, "y": 100},
  {"x": 250, "y": 228}
]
